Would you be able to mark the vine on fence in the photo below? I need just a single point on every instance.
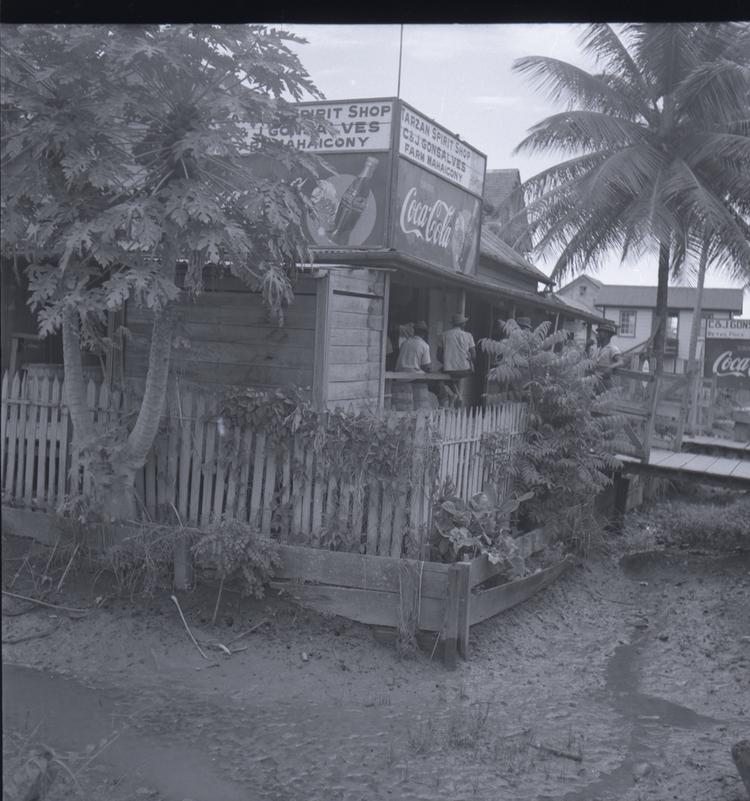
(355, 445)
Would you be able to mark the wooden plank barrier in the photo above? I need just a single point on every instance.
(201, 469)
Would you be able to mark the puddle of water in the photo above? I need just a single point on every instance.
(71, 716)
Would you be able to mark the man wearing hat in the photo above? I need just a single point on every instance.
(606, 356)
(414, 353)
(458, 354)
(524, 323)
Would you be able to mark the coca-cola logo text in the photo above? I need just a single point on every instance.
(432, 222)
(728, 364)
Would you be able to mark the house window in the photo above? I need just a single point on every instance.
(627, 323)
(582, 290)
(673, 330)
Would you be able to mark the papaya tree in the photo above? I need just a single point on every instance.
(127, 151)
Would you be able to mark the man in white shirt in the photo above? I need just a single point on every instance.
(414, 354)
(458, 353)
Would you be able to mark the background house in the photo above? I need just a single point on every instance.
(632, 309)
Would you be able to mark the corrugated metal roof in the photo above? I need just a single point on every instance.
(678, 297)
(496, 249)
(503, 199)
(499, 184)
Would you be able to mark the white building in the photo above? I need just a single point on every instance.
(632, 309)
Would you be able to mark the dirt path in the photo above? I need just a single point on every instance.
(639, 668)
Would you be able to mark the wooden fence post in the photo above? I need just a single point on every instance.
(464, 608)
(452, 604)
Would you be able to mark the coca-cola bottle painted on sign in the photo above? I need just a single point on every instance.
(353, 203)
(467, 248)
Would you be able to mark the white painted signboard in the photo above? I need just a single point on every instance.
(358, 126)
(727, 329)
(442, 153)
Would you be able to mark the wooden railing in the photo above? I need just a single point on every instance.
(658, 408)
(200, 468)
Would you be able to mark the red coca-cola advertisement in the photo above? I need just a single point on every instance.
(349, 200)
(729, 361)
(435, 221)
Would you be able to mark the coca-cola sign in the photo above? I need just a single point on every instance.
(431, 222)
(435, 221)
(729, 361)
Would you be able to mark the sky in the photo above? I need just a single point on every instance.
(461, 76)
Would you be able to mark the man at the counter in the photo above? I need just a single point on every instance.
(414, 353)
(458, 354)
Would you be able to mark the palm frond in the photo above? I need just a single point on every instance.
(575, 131)
(563, 81)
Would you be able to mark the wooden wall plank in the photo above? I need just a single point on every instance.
(364, 606)
(321, 342)
(449, 634)
(353, 354)
(357, 320)
(355, 336)
(491, 602)
(358, 305)
(359, 571)
(361, 281)
(352, 390)
(339, 373)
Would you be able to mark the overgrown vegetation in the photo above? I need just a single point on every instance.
(233, 550)
(567, 455)
(356, 445)
(479, 527)
(716, 520)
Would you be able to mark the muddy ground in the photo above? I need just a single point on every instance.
(628, 680)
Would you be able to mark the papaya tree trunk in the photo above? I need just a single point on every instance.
(74, 387)
(660, 313)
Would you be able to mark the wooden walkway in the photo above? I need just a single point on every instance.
(734, 471)
(717, 445)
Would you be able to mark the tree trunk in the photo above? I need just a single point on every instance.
(693, 366)
(75, 390)
(660, 313)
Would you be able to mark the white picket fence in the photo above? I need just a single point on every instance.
(199, 469)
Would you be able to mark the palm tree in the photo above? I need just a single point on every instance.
(657, 152)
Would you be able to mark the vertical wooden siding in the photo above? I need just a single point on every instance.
(355, 357)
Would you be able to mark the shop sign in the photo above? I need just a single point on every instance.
(728, 360)
(348, 200)
(435, 221)
(346, 127)
(442, 153)
(727, 329)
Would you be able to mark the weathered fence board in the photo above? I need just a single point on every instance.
(202, 468)
(488, 603)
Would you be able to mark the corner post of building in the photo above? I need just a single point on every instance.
(322, 341)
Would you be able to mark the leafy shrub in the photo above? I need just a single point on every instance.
(235, 550)
(567, 456)
(144, 561)
(477, 528)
